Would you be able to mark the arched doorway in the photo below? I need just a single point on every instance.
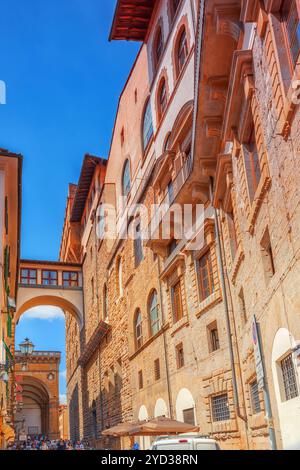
(35, 413)
(145, 441)
(185, 407)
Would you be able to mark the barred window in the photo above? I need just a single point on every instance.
(255, 400)
(157, 369)
(180, 356)
(206, 279)
(289, 378)
(291, 22)
(220, 408)
(141, 379)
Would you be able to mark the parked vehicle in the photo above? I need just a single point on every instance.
(188, 442)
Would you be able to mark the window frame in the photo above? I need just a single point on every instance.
(154, 323)
(289, 381)
(182, 50)
(218, 407)
(177, 314)
(285, 15)
(70, 282)
(209, 275)
(162, 97)
(28, 277)
(138, 329)
(147, 125)
(126, 185)
(49, 278)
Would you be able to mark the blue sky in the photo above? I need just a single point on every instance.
(63, 79)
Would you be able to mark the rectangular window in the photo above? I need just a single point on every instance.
(138, 246)
(232, 235)
(205, 275)
(49, 278)
(179, 356)
(252, 164)
(141, 380)
(177, 302)
(213, 337)
(289, 378)
(157, 369)
(291, 22)
(255, 400)
(242, 306)
(220, 408)
(70, 279)
(189, 416)
(29, 276)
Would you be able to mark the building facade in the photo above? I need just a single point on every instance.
(37, 400)
(209, 120)
(10, 203)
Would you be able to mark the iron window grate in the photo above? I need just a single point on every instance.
(289, 378)
(220, 408)
(255, 400)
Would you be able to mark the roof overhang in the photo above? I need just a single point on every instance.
(87, 173)
(131, 20)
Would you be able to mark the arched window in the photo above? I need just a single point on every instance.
(158, 46)
(182, 51)
(167, 142)
(138, 329)
(105, 303)
(126, 180)
(162, 97)
(147, 125)
(154, 314)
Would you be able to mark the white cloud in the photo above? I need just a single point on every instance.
(63, 399)
(46, 313)
(63, 374)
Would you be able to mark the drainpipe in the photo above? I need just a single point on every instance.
(169, 390)
(227, 315)
(98, 307)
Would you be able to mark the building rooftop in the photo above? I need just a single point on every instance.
(87, 173)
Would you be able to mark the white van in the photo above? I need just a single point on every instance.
(187, 442)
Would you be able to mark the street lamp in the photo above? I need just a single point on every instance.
(26, 347)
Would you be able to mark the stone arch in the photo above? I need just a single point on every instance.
(145, 441)
(288, 410)
(31, 301)
(184, 402)
(161, 408)
(36, 405)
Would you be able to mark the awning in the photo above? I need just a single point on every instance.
(154, 427)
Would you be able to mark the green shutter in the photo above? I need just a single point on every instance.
(9, 325)
(6, 268)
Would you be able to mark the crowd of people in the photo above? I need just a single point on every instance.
(44, 443)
